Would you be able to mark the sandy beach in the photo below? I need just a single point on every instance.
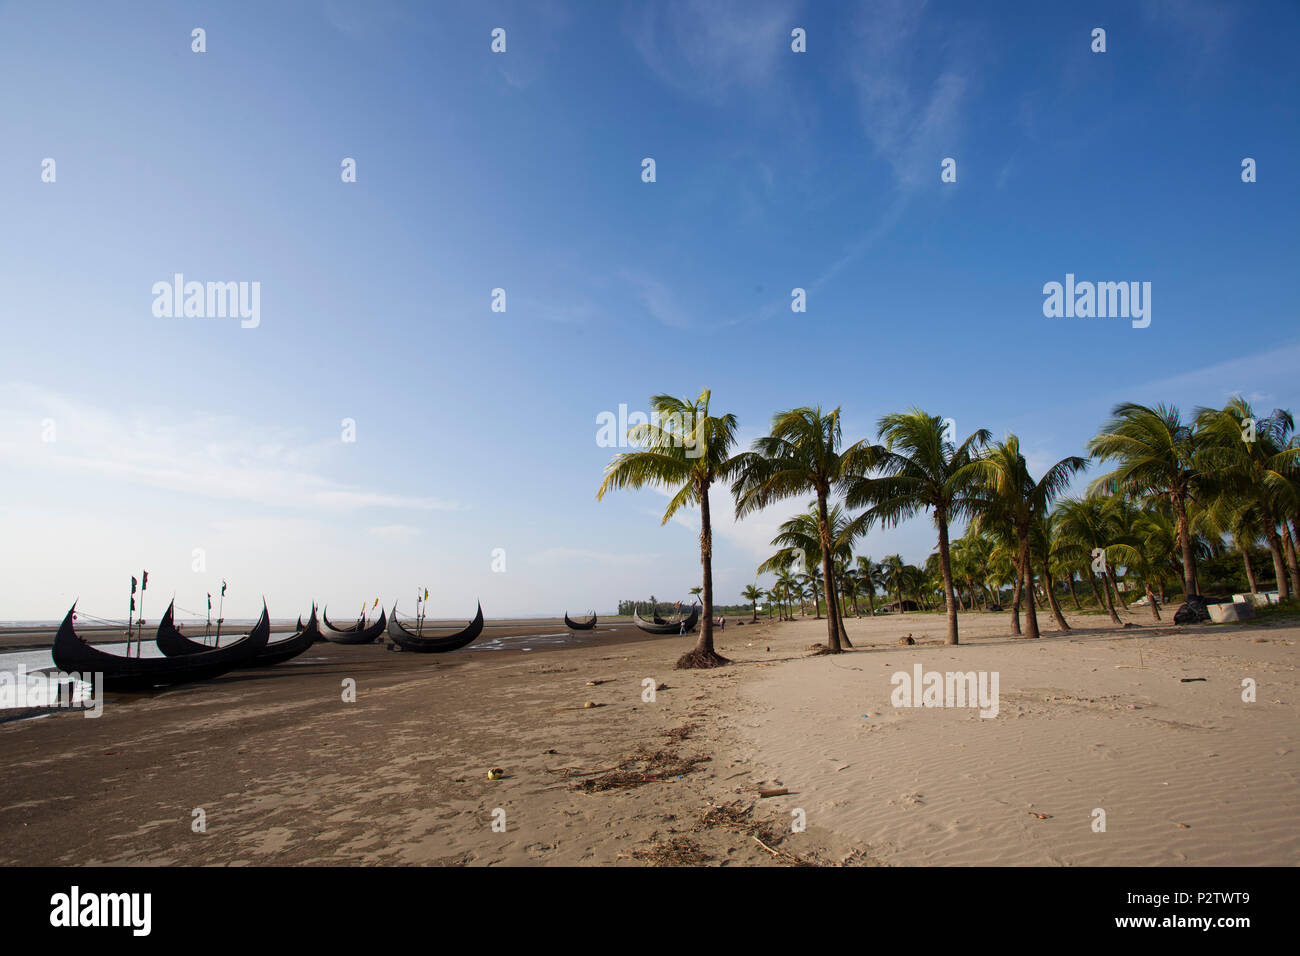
(286, 772)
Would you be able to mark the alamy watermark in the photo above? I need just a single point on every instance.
(951, 689)
(612, 429)
(52, 689)
(208, 300)
(1102, 300)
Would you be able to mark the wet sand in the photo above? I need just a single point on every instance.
(287, 772)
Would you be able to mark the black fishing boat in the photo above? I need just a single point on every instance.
(408, 640)
(175, 644)
(360, 624)
(580, 625)
(668, 627)
(72, 654)
(357, 634)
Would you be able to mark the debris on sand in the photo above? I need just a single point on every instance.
(739, 817)
(678, 734)
(642, 767)
(680, 850)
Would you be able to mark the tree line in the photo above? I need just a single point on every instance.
(1176, 488)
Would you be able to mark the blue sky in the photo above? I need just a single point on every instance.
(522, 170)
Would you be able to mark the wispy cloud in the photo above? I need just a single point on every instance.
(707, 48)
(204, 455)
(911, 109)
(658, 300)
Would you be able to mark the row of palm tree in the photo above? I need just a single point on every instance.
(1174, 485)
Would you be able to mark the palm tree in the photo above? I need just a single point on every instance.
(850, 586)
(1237, 516)
(1009, 496)
(1263, 470)
(916, 469)
(687, 449)
(697, 591)
(869, 577)
(801, 454)
(787, 587)
(1041, 543)
(751, 594)
(1159, 455)
(893, 577)
(799, 541)
(1082, 524)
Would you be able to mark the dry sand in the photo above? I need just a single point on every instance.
(286, 772)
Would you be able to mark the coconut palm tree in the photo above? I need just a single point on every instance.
(1081, 524)
(916, 469)
(801, 455)
(751, 594)
(1041, 545)
(1009, 496)
(788, 588)
(1240, 518)
(1260, 467)
(868, 577)
(688, 449)
(1159, 455)
(893, 577)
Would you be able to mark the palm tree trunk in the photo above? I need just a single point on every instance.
(844, 635)
(704, 655)
(828, 572)
(1031, 614)
(1275, 546)
(1050, 586)
(1250, 572)
(1295, 536)
(1179, 499)
(1015, 600)
(945, 567)
(871, 600)
(1105, 587)
(1291, 558)
(1151, 599)
(1114, 583)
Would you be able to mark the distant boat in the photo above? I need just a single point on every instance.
(409, 640)
(357, 633)
(175, 644)
(72, 654)
(668, 627)
(580, 625)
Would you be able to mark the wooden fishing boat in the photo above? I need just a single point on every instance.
(409, 640)
(580, 625)
(72, 654)
(353, 635)
(668, 627)
(359, 625)
(175, 644)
